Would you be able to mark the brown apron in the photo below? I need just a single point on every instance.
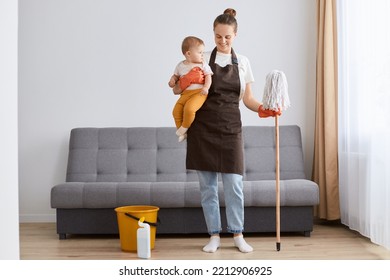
(214, 140)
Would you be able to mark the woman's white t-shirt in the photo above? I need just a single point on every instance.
(244, 67)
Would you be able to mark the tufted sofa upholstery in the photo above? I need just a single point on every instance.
(112, 167)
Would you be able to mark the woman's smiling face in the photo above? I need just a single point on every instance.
(224, 36)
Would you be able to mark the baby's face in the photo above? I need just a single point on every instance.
(195, 54)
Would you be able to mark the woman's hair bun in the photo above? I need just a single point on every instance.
(228, 17)
(230, 11)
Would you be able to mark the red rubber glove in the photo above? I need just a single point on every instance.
(195, 76)
(265, 113)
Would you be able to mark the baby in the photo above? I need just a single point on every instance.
(194, 95)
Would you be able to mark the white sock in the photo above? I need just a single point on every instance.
(213, 244)
(241, 244)
(182, 137)
(181, 131)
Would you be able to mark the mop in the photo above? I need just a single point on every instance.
(276, 98)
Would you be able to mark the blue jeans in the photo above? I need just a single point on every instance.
(234, 201)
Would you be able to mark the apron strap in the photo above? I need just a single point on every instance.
(234, 58)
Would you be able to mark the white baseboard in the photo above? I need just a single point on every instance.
(37, 218)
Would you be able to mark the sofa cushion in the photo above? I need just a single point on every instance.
(297, 192)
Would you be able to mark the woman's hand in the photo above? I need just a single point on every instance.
(254, 105)
(265, 113)
(195, 76)
(204, 91)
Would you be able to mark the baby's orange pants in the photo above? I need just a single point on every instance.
(185, 108)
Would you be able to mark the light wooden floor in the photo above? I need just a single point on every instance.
(328, 241)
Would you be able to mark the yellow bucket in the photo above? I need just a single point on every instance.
(128, 217)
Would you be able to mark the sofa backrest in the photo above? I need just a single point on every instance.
(153, 154)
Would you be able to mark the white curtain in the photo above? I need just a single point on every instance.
(364, 117)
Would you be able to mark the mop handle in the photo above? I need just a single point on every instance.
(277, 184)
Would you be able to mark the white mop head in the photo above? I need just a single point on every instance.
(276, 91)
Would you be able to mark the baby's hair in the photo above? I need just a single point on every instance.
(190, 41)
(228, 17)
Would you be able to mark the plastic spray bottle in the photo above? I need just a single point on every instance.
(143, 239)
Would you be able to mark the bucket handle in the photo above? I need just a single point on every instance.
(146, 222)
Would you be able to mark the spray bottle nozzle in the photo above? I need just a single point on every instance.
(142, 224)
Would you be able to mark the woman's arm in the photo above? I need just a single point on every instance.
(249, 100)
(207, 84)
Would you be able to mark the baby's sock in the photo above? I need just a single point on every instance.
(182, 137)
(181, 131)
(241, 244)
(213, 245)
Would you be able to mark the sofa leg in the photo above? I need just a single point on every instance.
(307, 233)
(62, 236)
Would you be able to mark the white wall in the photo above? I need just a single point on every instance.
(9, 233)
(107, 63)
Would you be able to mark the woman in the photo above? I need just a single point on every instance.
(214, 139)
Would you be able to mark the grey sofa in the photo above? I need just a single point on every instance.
(112, 167)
